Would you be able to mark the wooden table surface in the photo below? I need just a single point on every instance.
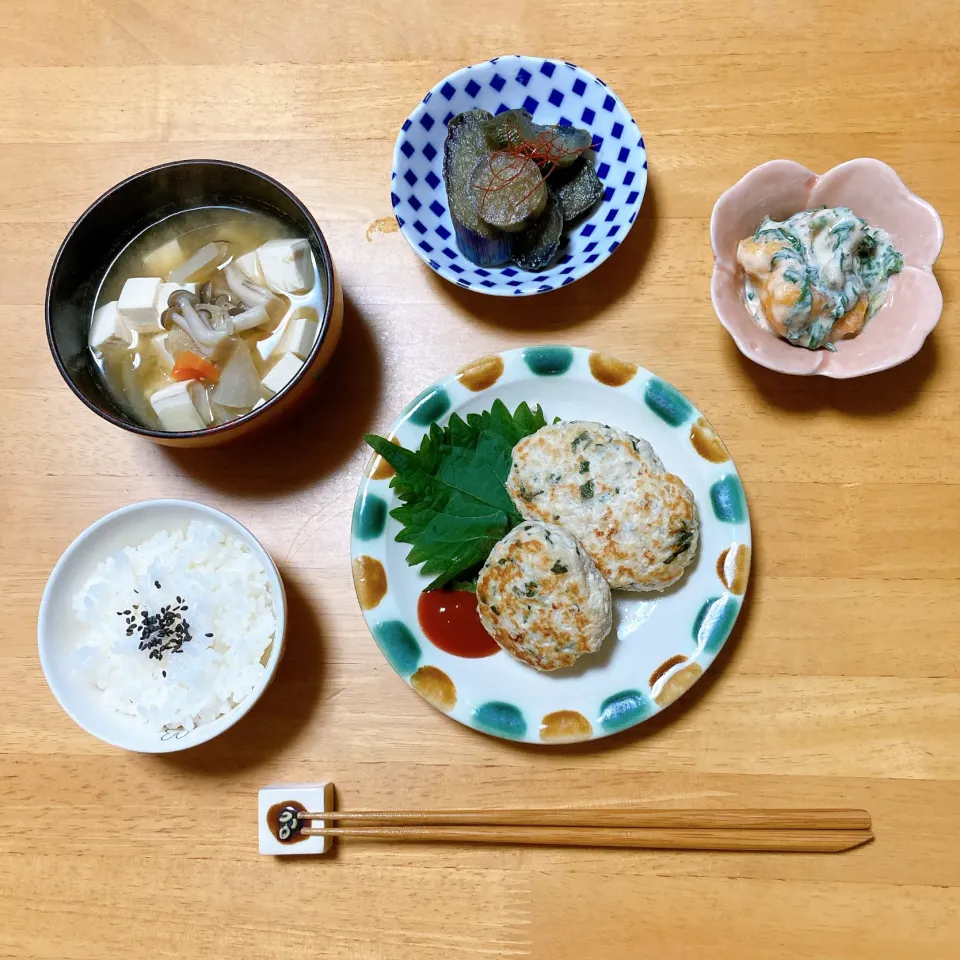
(841, 682)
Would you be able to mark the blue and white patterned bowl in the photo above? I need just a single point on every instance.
(553, 91)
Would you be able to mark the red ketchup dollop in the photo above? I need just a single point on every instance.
(450, 621)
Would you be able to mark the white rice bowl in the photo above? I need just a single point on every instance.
(227, 593)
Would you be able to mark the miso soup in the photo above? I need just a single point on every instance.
(205, 316)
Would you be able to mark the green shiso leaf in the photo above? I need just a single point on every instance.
(455, 505)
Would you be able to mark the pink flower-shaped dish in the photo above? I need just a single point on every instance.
(873, 191)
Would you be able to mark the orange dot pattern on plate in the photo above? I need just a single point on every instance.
(733, 568)
(611, 371)
(378, 468)
(370, 580)
(665, 668)
(679, 683)
(706, 442)
(480, 374)
(435, 687)
(565, 726)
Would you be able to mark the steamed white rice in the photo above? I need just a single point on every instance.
(227, 594)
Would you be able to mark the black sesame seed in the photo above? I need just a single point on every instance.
(163, 632)
(164, 672)
(156, 583)
(208, 634)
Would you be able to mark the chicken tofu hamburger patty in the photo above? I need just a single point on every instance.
(611, 492)
(542, 598)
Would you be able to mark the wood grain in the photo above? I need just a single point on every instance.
(841, 684)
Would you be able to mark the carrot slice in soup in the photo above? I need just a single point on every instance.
(191, 366)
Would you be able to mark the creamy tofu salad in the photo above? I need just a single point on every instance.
(817, 276)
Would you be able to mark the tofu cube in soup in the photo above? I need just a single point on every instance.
(165, 258)
(300, 336)
(282, 372)
(287, 266)
(182, 406)
(139, 304)
(108, 328)
(249, 266)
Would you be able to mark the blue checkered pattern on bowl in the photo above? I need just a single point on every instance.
(553, 91)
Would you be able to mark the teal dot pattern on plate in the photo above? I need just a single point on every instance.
(728, 501)
(623, 710)
(714, 623)
(667, 402)
(429, 407)
(502, 719)
(369, 517)
(548, 361)
(399, 646)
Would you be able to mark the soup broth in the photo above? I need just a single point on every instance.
(205, 316)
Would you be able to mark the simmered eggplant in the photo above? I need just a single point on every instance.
(509, 191)
(512, 184)
(509, 129)
(578, 190)
(538, 245)
(549, 145)
(465, 146)
(565, 145)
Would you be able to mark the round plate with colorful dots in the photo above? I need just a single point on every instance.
(661, 643)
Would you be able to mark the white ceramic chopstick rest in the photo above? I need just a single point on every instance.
(279, 823)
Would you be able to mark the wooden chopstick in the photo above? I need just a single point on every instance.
(784, 819)
(689, 838)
